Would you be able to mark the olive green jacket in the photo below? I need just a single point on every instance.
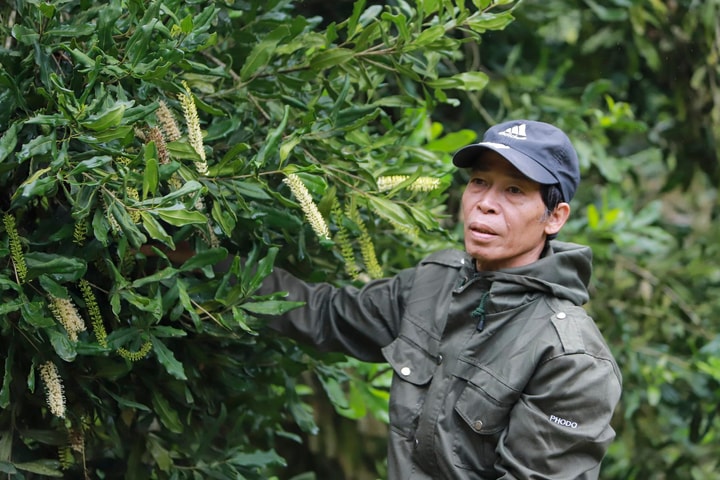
(497, 374)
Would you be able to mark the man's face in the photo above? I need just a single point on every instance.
(504, 215)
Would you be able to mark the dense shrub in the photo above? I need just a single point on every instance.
(134, 131)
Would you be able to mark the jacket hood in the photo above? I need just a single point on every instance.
(563, 271)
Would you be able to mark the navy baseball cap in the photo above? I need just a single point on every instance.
(542, 152)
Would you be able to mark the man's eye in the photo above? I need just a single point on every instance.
(514, 190)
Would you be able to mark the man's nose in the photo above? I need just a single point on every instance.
(487, 201)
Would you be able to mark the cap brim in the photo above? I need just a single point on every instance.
(467, 156)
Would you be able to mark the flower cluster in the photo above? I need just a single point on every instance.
(133, 193)
(138, 355)
(309, 208)
(80, 232)
(167, 122)
(420, 184)
(114, 225)
(53, 389)
(193, 125)
(342, 238)
(155, 135)
(75, 444)
(65, 312)
(94, 311)
(16, 252)
(367, 248)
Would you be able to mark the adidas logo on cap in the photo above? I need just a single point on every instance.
(517, 132)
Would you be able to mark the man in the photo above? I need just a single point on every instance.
(498, 370)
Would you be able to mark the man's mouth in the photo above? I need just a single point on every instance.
(481, 229)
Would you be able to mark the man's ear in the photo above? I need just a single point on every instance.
(556, 220)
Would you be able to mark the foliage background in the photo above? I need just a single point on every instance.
(187, 383)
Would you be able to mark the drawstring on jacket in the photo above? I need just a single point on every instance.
(479, 311)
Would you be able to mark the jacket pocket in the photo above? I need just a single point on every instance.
(482, 412)
(414, 368)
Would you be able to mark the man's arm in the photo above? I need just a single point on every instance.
(354, 321)
(560, 427)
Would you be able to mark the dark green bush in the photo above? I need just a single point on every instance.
(134, 131)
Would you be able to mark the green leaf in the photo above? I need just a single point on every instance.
(205, 258)
(182, 151)
(34, 314)
(262, 52)
(330, 58)
(472, 81)
(240, 318)
(316, 184)
(168, 416)
(186, 302)
(264, 267)
(156, 230)
(100, 226)
(334, 391)
(273, 139)
(452, 142)
(53, 287)
(127, 224)
(8, 141)
(423, 217)
(190, 187)
(428, 36)
(490, 21)
(352, 22)
(401, 23)
(106, 120)
(149, 304)
(300, 412)
(91, 164)
(58, 267)
(593, 217)
(24, 34)
(270, 307)
(151, 175)
(159, 276)
(125, 403)
(167, 359)
(11, 306)
(288, 145)
(33, 186)
(357, 406)
(186, 24)
(50, 468)
(122, 132)
(138, 44)
(81, 58)
(179, 216)
(6, 467)
(356, 116)
(258, 459)
(251, 190)
(390, 211)
(6, 441)
(71, 30)
(159, 453)
(62, 345)
(7, 380)
(163, 331)
(225, 219)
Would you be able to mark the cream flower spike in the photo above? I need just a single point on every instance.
(310, 209)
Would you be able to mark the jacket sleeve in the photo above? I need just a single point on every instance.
(560, 426)
(357, 322)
